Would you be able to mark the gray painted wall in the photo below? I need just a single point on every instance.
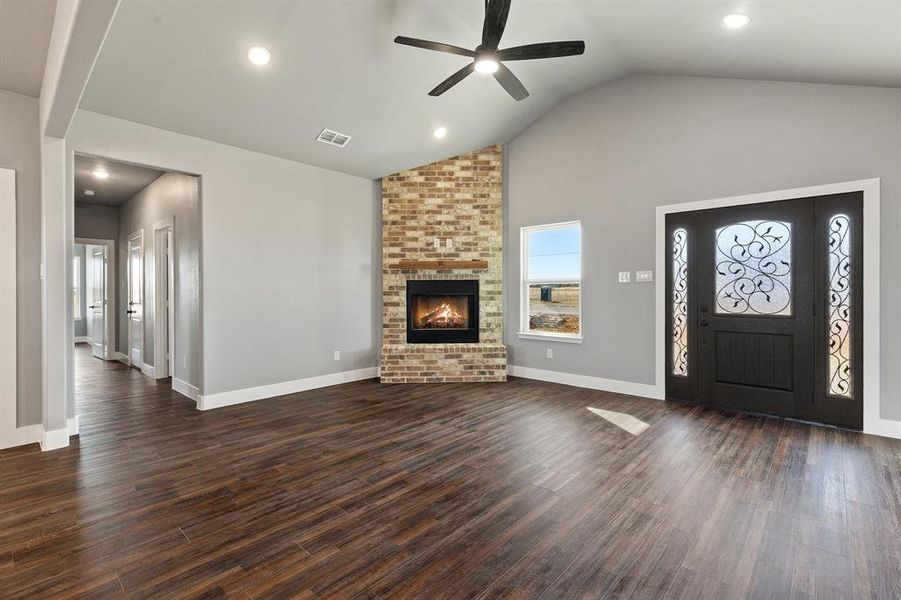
(97, 221)
(287, 255)
(20, 150)
(173, 194)
(610, 155)
(81, 325)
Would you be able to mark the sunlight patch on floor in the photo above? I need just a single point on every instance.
(625, 422)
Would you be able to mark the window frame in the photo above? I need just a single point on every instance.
(524, 332)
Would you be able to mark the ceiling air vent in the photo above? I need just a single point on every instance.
(327, 136)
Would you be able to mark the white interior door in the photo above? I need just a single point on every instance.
(97, 301)
(135, 310)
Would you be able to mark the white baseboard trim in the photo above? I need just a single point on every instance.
(884, 428)
(20, 436)
(185, 389)
(210, 401)
(148, 370)
(83, 339)
(55, 439)
(72, 425)
(122, 358)
(586, 381)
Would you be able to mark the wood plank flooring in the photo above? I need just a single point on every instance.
(499, 490)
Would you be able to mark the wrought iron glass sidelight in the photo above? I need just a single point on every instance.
(680, 302)
(839, 306)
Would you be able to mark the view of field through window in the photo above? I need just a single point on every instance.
(554, 308)
(554, 273)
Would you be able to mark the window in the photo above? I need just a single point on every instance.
(753, 268)
(76, 288)
(552, 281)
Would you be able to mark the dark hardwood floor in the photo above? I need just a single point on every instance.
(443, 491)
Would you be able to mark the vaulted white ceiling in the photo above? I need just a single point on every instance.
(182, 66)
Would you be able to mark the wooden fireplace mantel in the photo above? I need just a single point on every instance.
(410, 264)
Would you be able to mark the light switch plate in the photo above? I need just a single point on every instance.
(549, 353)
(625, 276)
(644, 276)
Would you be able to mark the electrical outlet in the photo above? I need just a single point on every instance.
(625, 276)
(644, 276)
(549, 353)
(437, 242)
(337, 355)
(450, 243)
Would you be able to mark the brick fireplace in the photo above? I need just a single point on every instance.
(442, 242)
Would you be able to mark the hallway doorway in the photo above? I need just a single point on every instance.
(139, 229)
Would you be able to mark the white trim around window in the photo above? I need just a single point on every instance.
(525, 282)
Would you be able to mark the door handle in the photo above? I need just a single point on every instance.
(704, 322)
(128, 312)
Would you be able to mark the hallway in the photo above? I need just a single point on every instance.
(110, 396)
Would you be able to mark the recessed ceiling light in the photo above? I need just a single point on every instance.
(736, 20)
(89, 192)
(486, 66)
(100, 173)
(440, 132)
(259, 56)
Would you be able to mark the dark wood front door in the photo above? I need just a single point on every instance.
(765, 307)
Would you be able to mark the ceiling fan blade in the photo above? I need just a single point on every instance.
(511, 83)
(544, 50)
(452, 80)
(495, 21)
(437, 46)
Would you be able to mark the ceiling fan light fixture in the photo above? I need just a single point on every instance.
(486, 65)
(489, 58)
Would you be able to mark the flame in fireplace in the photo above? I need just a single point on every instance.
(441, 317)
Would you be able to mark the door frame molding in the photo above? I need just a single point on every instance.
(872, 422)
(109, 325)
(136, 235)
(159, 307)
(8, 364)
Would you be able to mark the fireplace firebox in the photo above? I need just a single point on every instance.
(442, 311)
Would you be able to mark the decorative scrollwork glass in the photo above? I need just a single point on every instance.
(753, 268)
(839, 333)
(680, 302)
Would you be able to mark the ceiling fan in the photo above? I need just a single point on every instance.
(488, 59)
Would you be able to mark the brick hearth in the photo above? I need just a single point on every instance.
(458, 199)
